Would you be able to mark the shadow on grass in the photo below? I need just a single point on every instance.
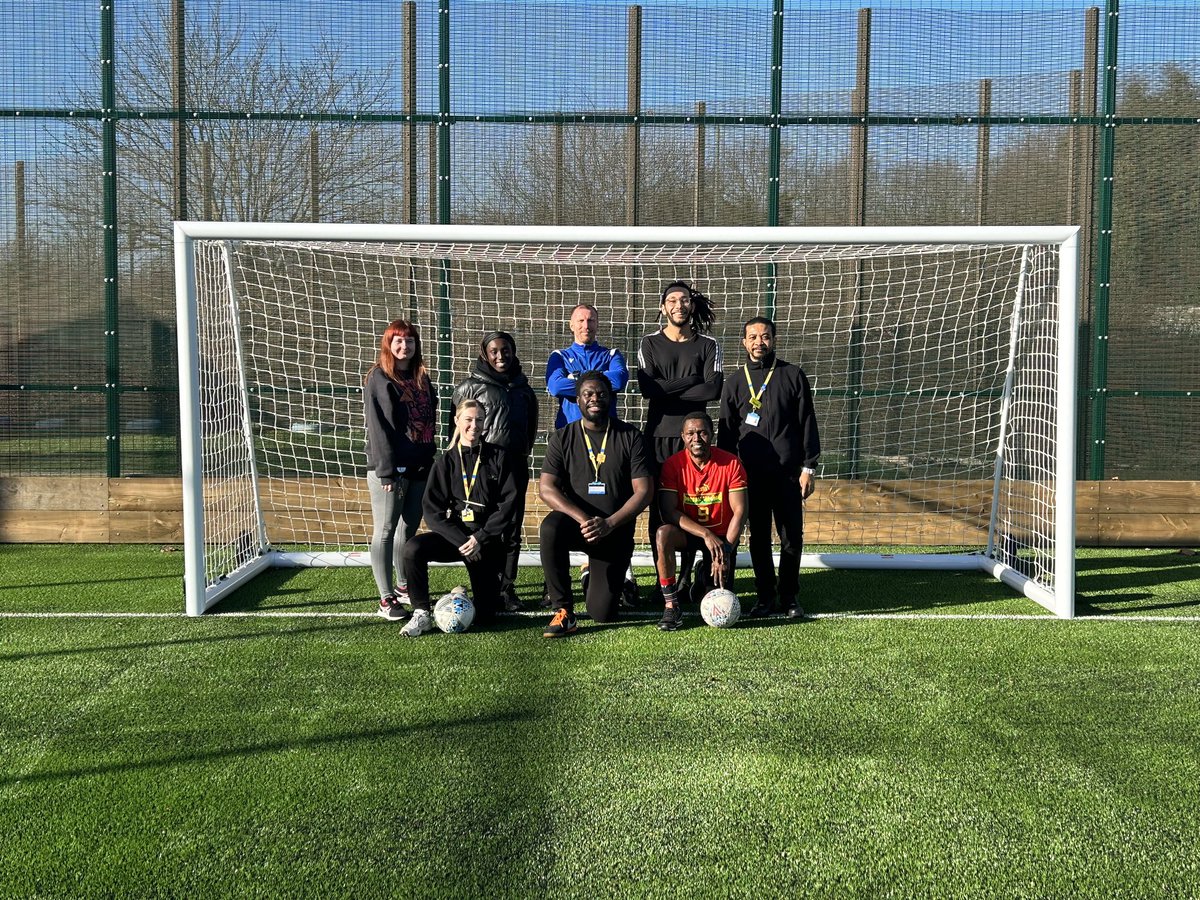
(74, 585)
(185, 641)
(1155, 582)
(875, 591)
(278, 746)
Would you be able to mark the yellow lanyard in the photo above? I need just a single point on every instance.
(756, 399)
(468, 486)
(597, 459)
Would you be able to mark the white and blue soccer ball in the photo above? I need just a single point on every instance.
(454, 612)
(720, 608)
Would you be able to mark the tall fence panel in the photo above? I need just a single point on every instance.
(116, 119)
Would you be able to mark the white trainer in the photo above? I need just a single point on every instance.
(420, 623)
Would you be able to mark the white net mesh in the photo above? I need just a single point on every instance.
(909, 349)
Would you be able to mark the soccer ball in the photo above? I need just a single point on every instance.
(455, 612)
(720, 608)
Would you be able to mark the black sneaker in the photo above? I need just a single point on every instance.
(546, 602)
(391, 609)
(701, 587)
(561, 625)
(512, 603)
(629, 594)
(672, 618)
(794, 610)
(762, 609)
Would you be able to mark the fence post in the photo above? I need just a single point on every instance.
(1104, 243)
(314, 175)
(444, 348)
(408, 132)
(633, 105)
(858, 215)
(774, 144)
(698, 200)
(1086, 218)
(179, 101)
(206, 181)
(112, 356)
(556, 149)
(983, 150)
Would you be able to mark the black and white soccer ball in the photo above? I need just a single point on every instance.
(720, 608)
(454, 612)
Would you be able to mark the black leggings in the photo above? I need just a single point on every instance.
(422, 549)
(608, 560)
(511, 536)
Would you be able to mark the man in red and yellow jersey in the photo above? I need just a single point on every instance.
(702, 498)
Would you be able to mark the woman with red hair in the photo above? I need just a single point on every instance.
(400, 407)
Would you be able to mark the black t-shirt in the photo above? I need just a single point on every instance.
(624, 460)
(677, 378)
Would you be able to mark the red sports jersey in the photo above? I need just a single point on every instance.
(704, 493)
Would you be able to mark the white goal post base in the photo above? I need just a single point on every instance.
(942, 360)
(944, 562)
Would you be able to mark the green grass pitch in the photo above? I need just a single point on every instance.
(844, 756)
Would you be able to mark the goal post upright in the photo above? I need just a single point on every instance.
(443, 261)
(191, 463)
(1068, 366)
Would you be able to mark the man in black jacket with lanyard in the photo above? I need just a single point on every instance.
(596, 481)
(767, 418)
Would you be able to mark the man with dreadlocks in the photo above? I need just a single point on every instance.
(679, 372)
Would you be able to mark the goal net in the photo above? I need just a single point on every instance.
(942, 360)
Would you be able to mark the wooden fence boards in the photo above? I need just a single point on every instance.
(88, 509)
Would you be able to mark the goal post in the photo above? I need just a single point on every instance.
(943, 360)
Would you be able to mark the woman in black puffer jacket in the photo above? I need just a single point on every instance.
(510, 421)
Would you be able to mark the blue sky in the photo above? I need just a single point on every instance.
(555, 55)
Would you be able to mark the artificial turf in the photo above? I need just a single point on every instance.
(843, 756)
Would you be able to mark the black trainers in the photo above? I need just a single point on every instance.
(762, 609)
(391, 609)
(794, 610)
(629, 594)
(512, 603)
(546, 602)
(672, 618)
(700, 587)
(562, 624)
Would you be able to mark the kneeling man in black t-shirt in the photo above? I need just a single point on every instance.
(596, 481)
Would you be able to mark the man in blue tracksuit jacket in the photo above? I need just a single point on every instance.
(585, 355)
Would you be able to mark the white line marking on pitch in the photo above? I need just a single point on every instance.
(268, 614)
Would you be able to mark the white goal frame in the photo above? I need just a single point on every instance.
(200, 596)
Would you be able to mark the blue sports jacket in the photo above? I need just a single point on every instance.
(575, 360)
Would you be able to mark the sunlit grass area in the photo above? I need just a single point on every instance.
(839, 756)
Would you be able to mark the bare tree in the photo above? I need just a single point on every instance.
(243, 168)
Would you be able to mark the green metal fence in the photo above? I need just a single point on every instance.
(116, 119)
